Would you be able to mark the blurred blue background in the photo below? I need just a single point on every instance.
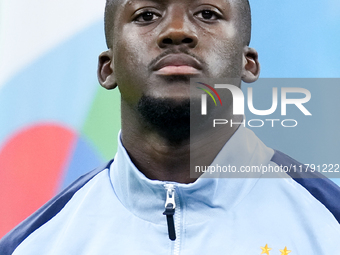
(300, 39)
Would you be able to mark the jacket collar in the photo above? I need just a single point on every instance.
(145, 198)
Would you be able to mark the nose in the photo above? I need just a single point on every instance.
(178, 30)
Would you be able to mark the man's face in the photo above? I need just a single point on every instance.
(159, 45)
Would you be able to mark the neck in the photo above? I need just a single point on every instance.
(158, 158)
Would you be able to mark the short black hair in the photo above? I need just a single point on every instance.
(244, 17)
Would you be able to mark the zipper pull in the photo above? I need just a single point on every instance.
(170, 206)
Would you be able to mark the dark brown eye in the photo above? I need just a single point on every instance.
(146, 17)
(207, 15)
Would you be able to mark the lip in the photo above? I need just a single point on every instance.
(177, 64)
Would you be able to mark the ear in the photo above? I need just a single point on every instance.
(105, 73)
(251, 65)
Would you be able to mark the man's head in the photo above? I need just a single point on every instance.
(156, 46)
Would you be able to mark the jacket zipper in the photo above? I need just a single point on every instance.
(170, 206)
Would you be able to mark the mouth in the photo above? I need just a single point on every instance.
(177, 64)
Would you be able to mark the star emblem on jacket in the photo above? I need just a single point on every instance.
(285, 251)
(266, 250)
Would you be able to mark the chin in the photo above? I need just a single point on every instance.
(169, 117)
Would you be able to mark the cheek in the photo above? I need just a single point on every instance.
(134, 54)
(135, 46)
(224, 58)
(131, 68)
(124, 63)
(223, 51)
(126, 58)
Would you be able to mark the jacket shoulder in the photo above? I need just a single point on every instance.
(13, 239)
(320, 187)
